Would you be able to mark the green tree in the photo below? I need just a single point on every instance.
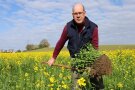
(44, 43)
(30, 47)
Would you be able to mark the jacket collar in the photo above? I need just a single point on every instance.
(86, 23)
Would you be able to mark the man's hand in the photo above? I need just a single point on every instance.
(51, 61)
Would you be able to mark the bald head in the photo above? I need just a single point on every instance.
(78, 6)
(78, 13)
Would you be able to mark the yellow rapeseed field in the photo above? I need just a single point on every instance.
(24, 71)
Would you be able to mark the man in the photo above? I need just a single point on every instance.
(78, 32)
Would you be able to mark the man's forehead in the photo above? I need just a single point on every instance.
(78, 7)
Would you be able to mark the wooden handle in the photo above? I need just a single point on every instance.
(59, 65)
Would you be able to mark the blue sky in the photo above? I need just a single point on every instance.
(25, 22)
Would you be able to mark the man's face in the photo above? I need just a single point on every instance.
(79, 14)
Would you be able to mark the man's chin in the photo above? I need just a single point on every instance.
(79, 22)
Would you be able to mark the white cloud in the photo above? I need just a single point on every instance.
(38, 19)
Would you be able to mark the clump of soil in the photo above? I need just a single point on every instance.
(101, 66)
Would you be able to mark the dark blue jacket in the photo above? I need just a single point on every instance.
(78, 40)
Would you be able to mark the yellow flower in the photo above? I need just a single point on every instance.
(60, 75)
(63, 69)
(65, 86)
(50, 85)
(120, 85)
(58, 88)
(46, 73)
(38, 85)
(26, 74)
(52, 79)
(81, 82)
(35, 68)
(18, 62)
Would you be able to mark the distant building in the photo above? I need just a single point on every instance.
(1, 50)
(7, 51)
(10, 50)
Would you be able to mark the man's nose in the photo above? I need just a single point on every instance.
(78, 15)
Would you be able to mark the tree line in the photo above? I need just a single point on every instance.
(43, 44)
